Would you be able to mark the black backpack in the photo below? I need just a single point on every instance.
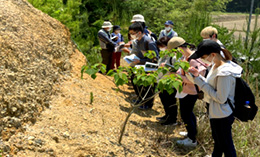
(243, 96)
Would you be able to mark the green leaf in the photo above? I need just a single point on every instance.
(119, 82)
(111, 73)
(103, 68)
(178, 55)
(92, 73)
(93, 76)
(184, 65)
(83, 69)
(177, 85)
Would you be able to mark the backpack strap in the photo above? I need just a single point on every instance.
(197, 88)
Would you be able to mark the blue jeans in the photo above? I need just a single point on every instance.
(186, 107)
(222, 135)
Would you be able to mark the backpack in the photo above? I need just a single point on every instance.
(243, 95)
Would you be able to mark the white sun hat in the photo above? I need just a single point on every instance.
(107, 24)
(138, 18)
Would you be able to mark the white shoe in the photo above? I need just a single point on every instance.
(208, 156)
(183, 133)
(187, 142)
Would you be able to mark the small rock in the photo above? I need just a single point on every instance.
(38, 142)
(6, 148)
(31, 138)
(56, 139)
(91, 110)
(30, 142)
(41, 150)
(66, 134)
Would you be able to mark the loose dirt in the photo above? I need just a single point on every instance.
(45, 105)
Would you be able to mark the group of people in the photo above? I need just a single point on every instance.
(211, 71)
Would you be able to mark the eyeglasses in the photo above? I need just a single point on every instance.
(133, 33)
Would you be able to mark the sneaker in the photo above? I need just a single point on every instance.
(143, 107)
(187, 142)
(183, 133)
(208, 156)
(161, 118)
(169, 123)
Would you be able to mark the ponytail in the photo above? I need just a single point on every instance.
(227, 54)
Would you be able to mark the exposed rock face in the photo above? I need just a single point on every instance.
(34, 53)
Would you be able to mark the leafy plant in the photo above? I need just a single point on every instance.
(162, 79)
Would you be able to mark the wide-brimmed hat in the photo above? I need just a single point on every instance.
(169, 22)
(175, 42)
(138, 18)
(207, 32)
(206, 47)
(107, 24)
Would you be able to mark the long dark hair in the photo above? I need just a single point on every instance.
(227, 54)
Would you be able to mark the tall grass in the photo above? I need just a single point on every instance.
(246, 137)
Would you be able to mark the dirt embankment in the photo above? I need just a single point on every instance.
(45, 105)
(34, 55)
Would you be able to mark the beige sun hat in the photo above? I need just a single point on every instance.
(207, 32)
(138, 18)
(107, 24)
(175, 42)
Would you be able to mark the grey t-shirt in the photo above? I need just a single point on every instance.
(140, 47)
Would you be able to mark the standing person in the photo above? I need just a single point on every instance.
(142, 44)
(189, 94)
(218, 87)
(211, 33)
(168, 30)
(168, 100)
(120, 40)
(107, 44)
(140, 18)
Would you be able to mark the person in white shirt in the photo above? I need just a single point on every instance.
(218, 86)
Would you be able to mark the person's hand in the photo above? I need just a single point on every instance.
(136, 61)
(162, 65)
(150, 32)
(194, 71)
(128, 44)
(126, 50)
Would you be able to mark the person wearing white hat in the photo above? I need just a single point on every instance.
(107, 44)
(140, 18)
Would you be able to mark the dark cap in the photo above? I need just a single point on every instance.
(206, 47)
(116, 27)
(169, 22)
